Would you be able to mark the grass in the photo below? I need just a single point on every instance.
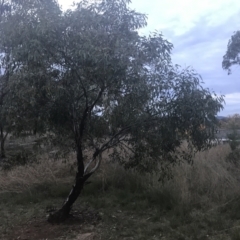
(201, 202)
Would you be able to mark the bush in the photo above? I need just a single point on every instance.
(234, 156)
(235, 139)
(19, 158)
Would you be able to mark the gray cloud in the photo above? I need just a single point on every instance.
(199, 31)
(203, 47)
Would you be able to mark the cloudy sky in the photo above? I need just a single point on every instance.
(200, 31)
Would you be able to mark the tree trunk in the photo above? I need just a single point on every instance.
(35, 128)
(62, 214)
(3, 155)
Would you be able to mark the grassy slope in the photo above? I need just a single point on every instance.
(201, 202)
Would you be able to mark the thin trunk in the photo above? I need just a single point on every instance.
(35, 127)
(63, 213)
(3, 138)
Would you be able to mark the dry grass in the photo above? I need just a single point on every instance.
(22, 178)
(200, 202)
(209, 180)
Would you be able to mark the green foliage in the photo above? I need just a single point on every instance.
(234, 139)
(87, 76)
(232, 55)
(235, 235)
(20, 158)
(234, 156)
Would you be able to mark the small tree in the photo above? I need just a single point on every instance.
(234, 139)
(234, 136)
(5, 71)
(233, 123)
(4, 121)
(107, 87)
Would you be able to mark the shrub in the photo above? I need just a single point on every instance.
(235, 139)
(234, 156)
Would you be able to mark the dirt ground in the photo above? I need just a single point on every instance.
(79, 226)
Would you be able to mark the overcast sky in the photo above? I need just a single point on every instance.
(200, 31)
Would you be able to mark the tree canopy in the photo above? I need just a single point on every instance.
(94, 83)
(232, 56)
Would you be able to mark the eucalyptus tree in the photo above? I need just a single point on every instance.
(232, 56)
(23, 60)
(5, 71)
(106, 87)
(4, 124)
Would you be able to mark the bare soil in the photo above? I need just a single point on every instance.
(79, 226)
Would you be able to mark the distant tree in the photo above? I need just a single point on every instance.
(231, 122)
(6, 70)
(234, 121)
(232, 56)
(106, 87)
(4, 121)
(234, 136)
(26, 99)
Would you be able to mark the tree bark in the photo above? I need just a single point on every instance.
(63, 213)
(3, 138)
